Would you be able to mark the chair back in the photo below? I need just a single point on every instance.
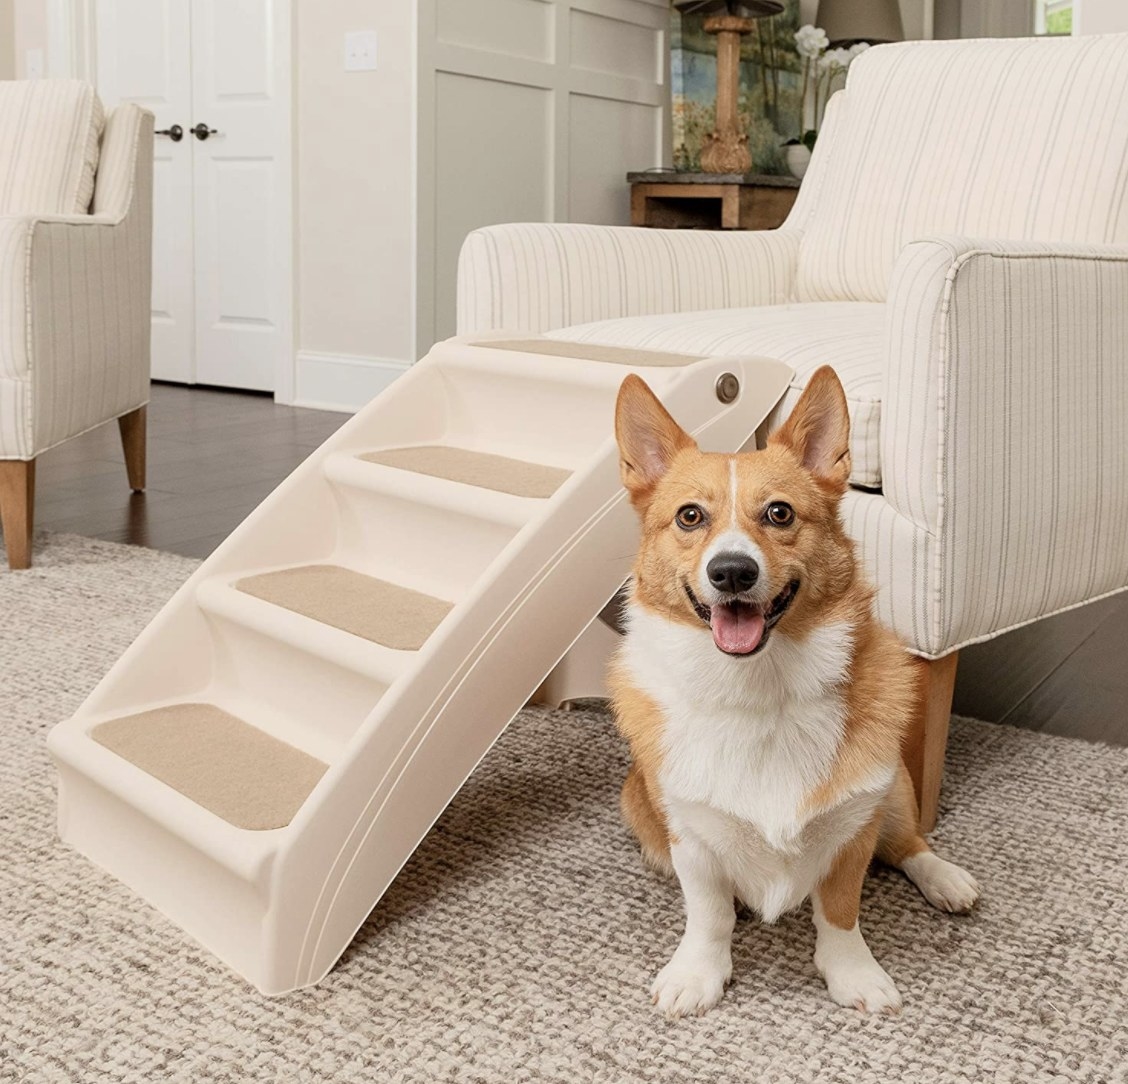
(1023, 139)
(50, 131)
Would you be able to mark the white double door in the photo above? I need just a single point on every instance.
(216, 75)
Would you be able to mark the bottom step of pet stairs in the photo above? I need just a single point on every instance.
(268, 754)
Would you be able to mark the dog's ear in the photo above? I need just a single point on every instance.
(648, 437)
(818, 431)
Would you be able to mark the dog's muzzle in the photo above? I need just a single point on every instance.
(741, 628)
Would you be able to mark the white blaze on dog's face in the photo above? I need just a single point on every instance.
(739, 544)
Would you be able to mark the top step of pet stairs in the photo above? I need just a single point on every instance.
(266, 756)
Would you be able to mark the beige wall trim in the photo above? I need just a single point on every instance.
(530, 112)
(7, 40)
(342, 381)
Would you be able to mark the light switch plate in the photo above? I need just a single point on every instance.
(360, 51)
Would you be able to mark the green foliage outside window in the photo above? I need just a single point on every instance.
(1059, 22)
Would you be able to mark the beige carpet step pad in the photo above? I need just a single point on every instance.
(517, 477)
(373, 609)
(229, 767)
(609, 355)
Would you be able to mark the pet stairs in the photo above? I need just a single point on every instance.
(266, 756)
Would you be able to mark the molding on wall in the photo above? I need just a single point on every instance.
(342, 382)
(71, 52)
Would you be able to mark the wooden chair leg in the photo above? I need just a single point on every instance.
(928, 737)
(132, 426)
(17, 509)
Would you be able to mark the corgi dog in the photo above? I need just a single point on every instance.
(763, 702)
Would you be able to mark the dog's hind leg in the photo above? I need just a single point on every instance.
(900, 844)
(647, 821)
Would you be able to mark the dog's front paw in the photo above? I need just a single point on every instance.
(864, 986)
(691, 984)
(943, 884)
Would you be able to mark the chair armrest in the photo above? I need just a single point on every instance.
(75, 319)
(1003, 425)
(537, 277)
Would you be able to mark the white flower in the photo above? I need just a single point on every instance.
(835, 60)
(858, 48)
(810, 41)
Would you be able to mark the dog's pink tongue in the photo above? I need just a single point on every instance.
(737, 629)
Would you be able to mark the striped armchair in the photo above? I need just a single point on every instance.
(75, 274)
(959, 253)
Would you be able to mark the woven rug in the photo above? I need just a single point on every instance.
(518, 943)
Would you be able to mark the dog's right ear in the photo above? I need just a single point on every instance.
(648, 437)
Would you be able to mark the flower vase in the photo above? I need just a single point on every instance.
(798, 157)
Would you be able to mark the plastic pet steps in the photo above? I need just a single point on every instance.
(269, 752)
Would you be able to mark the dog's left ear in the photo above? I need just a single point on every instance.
(818, 431)
(648, 437)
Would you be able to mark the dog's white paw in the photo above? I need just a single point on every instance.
(943, 884)
(691, 983)
(864, 986)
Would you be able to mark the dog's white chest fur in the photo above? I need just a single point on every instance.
(746, 742)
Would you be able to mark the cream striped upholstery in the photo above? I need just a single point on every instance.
(117, 169)
(849, 336)
(994, 138)
(965, 217)
(535, 277)
(1005, 442)
(49, 133)
(75, 301)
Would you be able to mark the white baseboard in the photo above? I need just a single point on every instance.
(343, 382)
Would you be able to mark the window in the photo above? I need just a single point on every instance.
(1053, 16)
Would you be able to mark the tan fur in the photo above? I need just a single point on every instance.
(639, 720)
(811, 475)
(647, 821)
(833, 709)
(840, 891)
(900, 836)
(882, 687)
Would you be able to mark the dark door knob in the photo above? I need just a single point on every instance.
(202, 131)
(175, 133)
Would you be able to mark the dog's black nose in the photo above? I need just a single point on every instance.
(732, 572)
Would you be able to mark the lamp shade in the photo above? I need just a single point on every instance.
(850, 21)
(746, 9)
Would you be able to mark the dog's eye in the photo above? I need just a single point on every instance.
(690, 516)
(780, 514)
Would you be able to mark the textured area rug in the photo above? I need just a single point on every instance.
(518, 943)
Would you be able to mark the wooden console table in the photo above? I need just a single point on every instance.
(711, 201)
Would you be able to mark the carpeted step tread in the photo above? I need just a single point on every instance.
(384, 613)
(517, 477)
(220, 762)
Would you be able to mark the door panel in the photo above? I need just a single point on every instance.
(142, 49)
(221, 210)
(241, 183)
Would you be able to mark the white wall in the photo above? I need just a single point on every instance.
(526, 111)
(354, 199)
(30, 31)
(1100, 16)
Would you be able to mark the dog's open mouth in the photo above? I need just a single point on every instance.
(742, 628)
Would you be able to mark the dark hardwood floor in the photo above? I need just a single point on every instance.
(214, 455)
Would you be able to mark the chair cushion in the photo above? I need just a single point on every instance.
(49, 133)
(846, 335)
